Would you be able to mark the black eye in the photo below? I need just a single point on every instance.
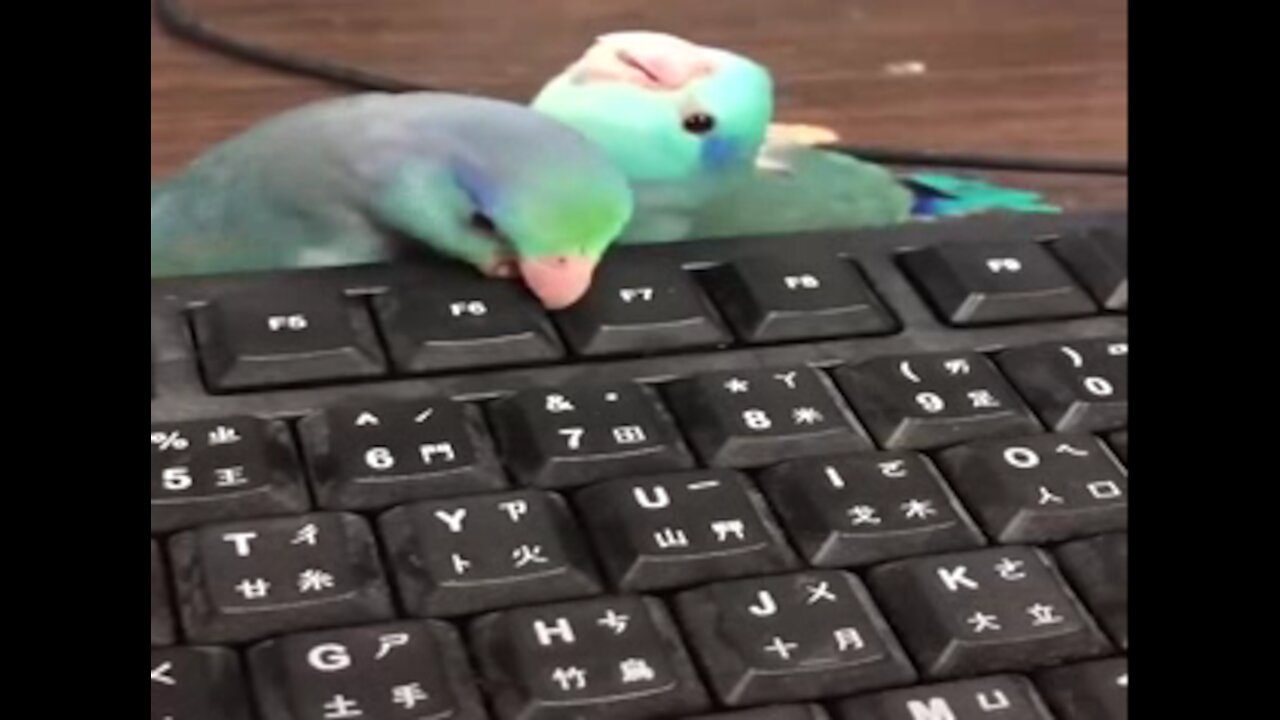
(484, 223)
(700, 124)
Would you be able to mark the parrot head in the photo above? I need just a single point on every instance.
(665, 109)
(554, 219)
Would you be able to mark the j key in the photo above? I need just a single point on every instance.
(476, 555)
(609, 659)
(1079, 387)
(1099, 569)
(1043, 489)
(992, 611)
(973, 284)
(932, 401)
(664, 533)
(198, 684)
(1096, 691)
(236, 469)
(640, 308)
(162, 627)
(393, 672)
(797, 712)
(574, 437)
(781, 299)
(867, 509)
(456, 320)
(375, 455)
(756, 418)
(274, 339)
(244, 582)
(1005, 698)
(792, 639)
(1101, 261)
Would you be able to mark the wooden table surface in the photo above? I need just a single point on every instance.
(1001, 76)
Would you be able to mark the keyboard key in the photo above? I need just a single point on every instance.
(1120, 443)
(792, 639)
(198, 684)
(771, 299)
(1099, 569)
(456, 320)
(406, 671)
(608, 659)
(863, 510)
(162, 623)
(1078, 387)
(1095, 691)
(235, 469)
(669, 532)
(641, 308)
(269, 339)
(246, 582)
(751, 419)
(986, 283)
(1043, 489)
(992, 611)
(1100, 260)
(928, 402)
(457, 558)
(1002, 698)
(567, 438)
(373, 455)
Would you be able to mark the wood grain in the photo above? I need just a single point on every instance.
(1003, 76)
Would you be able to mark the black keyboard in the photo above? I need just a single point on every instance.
(870, 476)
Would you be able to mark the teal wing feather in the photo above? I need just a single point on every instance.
(805, 190)
(947, 196)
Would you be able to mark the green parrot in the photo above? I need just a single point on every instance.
(369, 178)
(691, 127)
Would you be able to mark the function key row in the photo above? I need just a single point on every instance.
(372, 456)
(447, 320)
(792, 638)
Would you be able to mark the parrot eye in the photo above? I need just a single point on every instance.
(484, 223)
(700, 124)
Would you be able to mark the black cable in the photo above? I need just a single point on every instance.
(181, 23)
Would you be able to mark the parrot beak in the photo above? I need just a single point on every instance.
(560, 283)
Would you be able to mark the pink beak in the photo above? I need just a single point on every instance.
(560, 283)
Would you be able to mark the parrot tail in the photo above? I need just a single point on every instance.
(944, 196)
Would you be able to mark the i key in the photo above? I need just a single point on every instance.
(927, 402)
(867, 509)
(406, 671)
(1044, 489)
(992, 611)
(755, 418)
(1078, 387)
(792, 639)
(568, 438)
(608, 659)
